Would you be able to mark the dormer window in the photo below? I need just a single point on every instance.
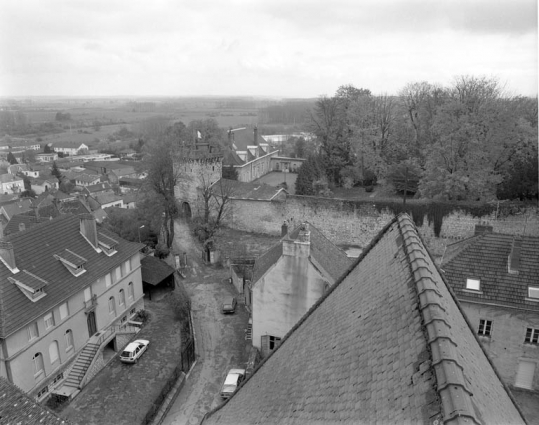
(473, 284)
(107, 245)
(533, 292)
(73, 262)
(31, 286)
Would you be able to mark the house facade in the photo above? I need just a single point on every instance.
(47, 157)
(11, 184)
(40, 186)
(496, 279)
(63, 281)
(288, 279)
(70, 148)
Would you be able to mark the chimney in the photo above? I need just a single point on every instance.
(256, 135)
(230, 136)
(88, 228)
(481, 229)
(304, 233)
(7, 254)
(284, 229)
(513, 262)
(301, 247)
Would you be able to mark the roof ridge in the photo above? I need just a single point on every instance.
(451, 383)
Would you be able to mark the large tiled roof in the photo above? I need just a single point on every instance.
(34, 251)
(387, 344)
(7, 178)
(231, 158)
(16, 407)
(244, 137)
(329, 256)
(155, 270)
(19, 207)
(253, 191)
(485, 258)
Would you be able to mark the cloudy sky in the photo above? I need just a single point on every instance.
(283, 48)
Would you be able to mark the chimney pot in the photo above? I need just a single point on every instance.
(284, 229)
(8, 254)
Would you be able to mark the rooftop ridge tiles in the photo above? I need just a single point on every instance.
(450, 380)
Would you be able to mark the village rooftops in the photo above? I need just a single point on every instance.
(387, 343)
(502, 267)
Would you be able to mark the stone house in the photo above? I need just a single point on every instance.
(67, 288)
(70, 148)
(387, 344)
(40, 185)
(288, 279)
(11, 184)
(496, 279)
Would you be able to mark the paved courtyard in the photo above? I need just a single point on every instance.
(124, 393)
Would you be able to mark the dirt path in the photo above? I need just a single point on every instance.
(220, 339)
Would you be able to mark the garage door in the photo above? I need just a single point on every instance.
(525, 375)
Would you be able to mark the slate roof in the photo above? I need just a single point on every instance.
(19, 207)
(14, 225)
(16, 407)
(485, 258)
(34, 251)
(252, 190)
(8, 178)
(332, 259)
(244, 137)
(154, 270)
(232, 158)
(387, 343)
(99, 187)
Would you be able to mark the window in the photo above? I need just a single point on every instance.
(122, 297)
(533, 292)
(32, 331)
(43, 391)
(274, 342)
(58, 377)
(117, 274)
(49, 321)
(127, 267)
(130, 291)
(63, 311)
(53, 352)
(112, 307)
(108, 280)
(473, 284)
(38, 363)
(68, 336)
(485, 327)
(87, 294)
(532, 336)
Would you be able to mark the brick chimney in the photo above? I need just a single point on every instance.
(301, 247)
(8, 255)
(284, 229)
(513, 262)
(255, 132)
(88, 228)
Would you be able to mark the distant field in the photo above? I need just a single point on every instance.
(88, 139)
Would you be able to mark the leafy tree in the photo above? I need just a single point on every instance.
(55, 171)
(28, 193)
(405, 178)
(11, 158)
(27, 183)
(299, 147)
(520, 180)
(47, 148)
(309, 172)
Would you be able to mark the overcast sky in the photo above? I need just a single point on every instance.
(284, 48)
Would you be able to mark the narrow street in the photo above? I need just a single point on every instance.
(220, 339)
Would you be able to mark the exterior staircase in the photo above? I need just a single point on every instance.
(81, 366)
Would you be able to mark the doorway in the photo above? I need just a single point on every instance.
(92, 328)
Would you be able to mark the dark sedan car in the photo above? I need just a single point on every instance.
(229, 305)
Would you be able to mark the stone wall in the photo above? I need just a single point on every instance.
(356, 223)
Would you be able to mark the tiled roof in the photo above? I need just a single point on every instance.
(7, 178)
(244, 137)
(106, 198)
(154, 270)
(16, 407)
(19, 207)
(99, 187)
(254, 191)
(485, 258)
(386, 344)
(27, 221)
(34, 251)
(329, 256)
(232, 158)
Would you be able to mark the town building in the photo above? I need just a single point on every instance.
(70, 148)
(11, 184)
(67, 287)
(47, 157)
(387, 343)
(288, 279)
(496, 279)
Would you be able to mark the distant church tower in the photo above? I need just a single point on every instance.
(201, 165)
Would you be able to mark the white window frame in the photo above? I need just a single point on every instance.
(534, 336)
(273, 342)
(54, 352)
(49, 320)
(68, 337)
(130, 291)
(87, 294)
(485, 327)
(121, 296)
(473, 284)
(38, 364)
(33, 331)
(108, 279)
(112, 306)
(64, 311)
(127, 266)
(118, 272)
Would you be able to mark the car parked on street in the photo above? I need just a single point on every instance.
(232, 381)
(229, 305)
(134, 350)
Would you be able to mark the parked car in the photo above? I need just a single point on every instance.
(229, 305)
(134, 350)
(232, 381)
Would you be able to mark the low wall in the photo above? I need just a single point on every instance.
(357, 222)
